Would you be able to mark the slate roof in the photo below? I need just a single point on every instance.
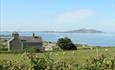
(31, 39)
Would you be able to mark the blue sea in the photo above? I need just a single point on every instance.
(95, 39)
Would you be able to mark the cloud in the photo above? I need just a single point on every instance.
(75, 16)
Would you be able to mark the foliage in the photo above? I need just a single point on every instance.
(103, 62)
(56, 48)
(66, 44)
(31, 50)
(18, 51)
(10, 65)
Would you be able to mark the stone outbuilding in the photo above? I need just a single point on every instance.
(21, 42)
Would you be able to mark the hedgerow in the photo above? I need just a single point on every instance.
(102, 62)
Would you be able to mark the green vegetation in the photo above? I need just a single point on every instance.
(3, 43)
(66, 44)
(46, 62)
(78, 56)
(85, 58)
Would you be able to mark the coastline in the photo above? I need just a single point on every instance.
(92, 39)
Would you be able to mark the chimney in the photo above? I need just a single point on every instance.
(34, 35)
(15, 35)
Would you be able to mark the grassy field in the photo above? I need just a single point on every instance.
(78, 56)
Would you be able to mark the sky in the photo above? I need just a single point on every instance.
(57, 15)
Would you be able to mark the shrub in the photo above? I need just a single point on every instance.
(46, 63)
(66, 44)
(32, 50)
(102, 62)
(12, 65)
(56, 48)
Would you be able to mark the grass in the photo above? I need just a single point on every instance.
(78, 56)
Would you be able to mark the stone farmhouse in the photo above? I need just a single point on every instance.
(21, 42)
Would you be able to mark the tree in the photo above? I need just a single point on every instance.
(66, 44)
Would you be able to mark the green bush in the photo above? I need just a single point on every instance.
(56, 48)
(66, 44)
(46, 63)
(12, 65)
(32, 50)
(102, 62)
(15, 51)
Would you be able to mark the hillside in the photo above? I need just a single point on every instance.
(84, 31)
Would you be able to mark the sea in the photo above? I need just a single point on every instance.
(93, 39)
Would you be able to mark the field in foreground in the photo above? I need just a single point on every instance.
(78, 56)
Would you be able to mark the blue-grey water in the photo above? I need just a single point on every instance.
(96, 39)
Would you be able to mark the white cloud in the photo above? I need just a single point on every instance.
(75, 16)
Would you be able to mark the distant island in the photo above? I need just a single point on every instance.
(83, 30)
